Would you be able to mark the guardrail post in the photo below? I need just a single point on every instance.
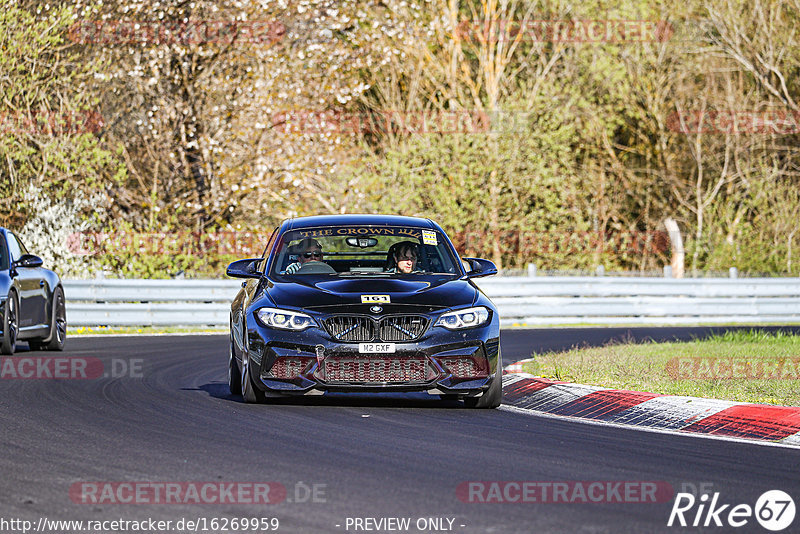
(676, 240)
(531, 270)
(600, 271)
(668, 271)
(733, 272)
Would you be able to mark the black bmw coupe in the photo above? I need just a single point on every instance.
(31, 299)
(363, 303)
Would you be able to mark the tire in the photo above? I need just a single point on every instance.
(58, 322)
(494, 395)
(234, 375)
(10, 325)
(250, 393)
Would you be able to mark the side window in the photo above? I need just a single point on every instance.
(15, 248)
(22, 246)
(265, 255)
(4, 263)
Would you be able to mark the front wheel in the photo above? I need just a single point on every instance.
(234, 375)
(250, 393)
(10, 325)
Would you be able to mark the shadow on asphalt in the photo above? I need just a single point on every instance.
(219, 390)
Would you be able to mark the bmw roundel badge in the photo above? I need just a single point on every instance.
(376, 309)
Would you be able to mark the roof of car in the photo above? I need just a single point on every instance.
(358, 219)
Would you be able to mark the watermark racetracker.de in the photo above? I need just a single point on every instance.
(530, 242)
(170, 244)
(736, 368)
(243, 243)
(195, 492)
(189, 32)
(68, 368)
(51, 122)
(564, 31)
(730, 122)
(383, 121)
(565, 491)
(149, 524)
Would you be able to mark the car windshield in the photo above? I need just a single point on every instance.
(363, 251)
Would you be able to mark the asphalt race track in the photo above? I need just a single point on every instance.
(163, 414)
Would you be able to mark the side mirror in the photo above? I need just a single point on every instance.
(480, 267)
(244, 268)
(28, 260)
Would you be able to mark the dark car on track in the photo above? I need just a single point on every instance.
(363, 303)
(31, 299)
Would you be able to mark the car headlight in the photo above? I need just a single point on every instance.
(284, 319)
(466, 318)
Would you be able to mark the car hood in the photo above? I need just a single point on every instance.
(320, 292)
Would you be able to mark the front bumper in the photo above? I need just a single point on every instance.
(445, 362)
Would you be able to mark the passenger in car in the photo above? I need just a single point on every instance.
(403, 257)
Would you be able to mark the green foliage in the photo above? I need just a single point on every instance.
(48, 131)
(167, 266)
(578, 159)
(742, 366)
(532, 150)
(756, 336)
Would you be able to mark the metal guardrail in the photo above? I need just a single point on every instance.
(520, 301)
(124, 302)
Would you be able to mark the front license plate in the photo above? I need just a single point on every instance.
(376, 348)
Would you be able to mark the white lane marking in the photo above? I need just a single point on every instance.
(526, 375)
(525, 411)
(794, 439)
(555, 396)
(516, 367)
(511, 379)
(671, 411)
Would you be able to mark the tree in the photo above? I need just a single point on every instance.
(50, 130)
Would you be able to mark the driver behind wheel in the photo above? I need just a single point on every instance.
(310, 252)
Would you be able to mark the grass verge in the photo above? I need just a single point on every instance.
(116, 330)
(741, 366)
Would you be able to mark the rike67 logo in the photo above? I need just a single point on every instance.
(774, 510)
